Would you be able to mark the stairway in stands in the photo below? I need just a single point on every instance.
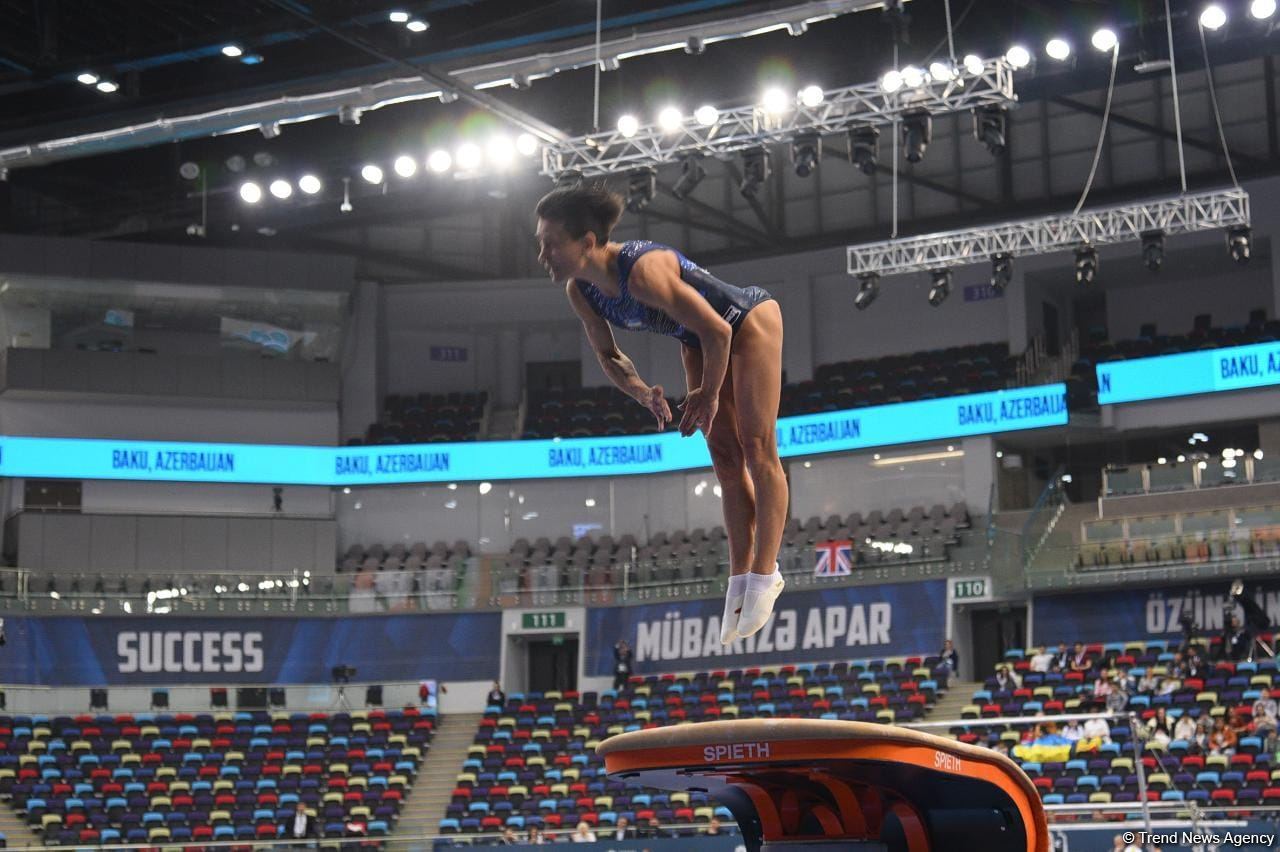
(959, 695)
(425, 806)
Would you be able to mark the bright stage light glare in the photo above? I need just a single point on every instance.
(372, 173)
(1018, 56)
(502, 151)
(281, 189)
(775, 101)
(628, 125)
(670, 119)
(250, 192)
(811, 96)
(440, 161)
(891, 81)
(706, 115)
(1213, 17)
(527, 144)
(1057, 49)
(1104, 40)
(405, 166)
(310, 184)
(88, 78)
(232, 51)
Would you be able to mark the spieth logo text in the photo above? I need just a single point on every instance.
(949, 762)
(735, 751)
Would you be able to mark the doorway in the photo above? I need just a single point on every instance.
(991, 633)
(553, 664)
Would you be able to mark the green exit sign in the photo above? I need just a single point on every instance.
(969, 590)
(541, 620)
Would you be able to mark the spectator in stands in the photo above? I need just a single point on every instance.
(1124, 680)
(1118, 697)
(1062, 659)
(509, 837)
(1195, 663)
(1072, 731)
(1185, 728)
(1223, 739)
(1264, 713)
(731, 349)
(535, 836)
(621, 663)
(1097, 732)
(496, 697)
(1237, 641)
(1006, 679)
(621, 831)
(1149, 682)
(1118, 844)
(1042, 662)
(949, 661)
(583, 833)
(1102, 688)
(302, 825)
(1239, 725)
(1080, 660)
(1160, 727)
(652, 829)
(713, 827)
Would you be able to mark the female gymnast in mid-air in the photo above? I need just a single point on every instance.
(731, 346)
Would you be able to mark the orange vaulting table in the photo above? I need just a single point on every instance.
(812, 783)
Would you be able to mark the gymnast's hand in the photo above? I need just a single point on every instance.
(657, 405)
(699, 411)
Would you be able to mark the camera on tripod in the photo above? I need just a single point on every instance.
(343, 673)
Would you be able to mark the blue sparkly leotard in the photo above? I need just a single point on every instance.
(730, 302)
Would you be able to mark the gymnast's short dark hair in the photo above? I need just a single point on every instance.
(582, 208)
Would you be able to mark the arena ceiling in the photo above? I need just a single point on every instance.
(166, 57)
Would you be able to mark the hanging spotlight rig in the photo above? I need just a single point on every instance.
(736, 129)
(1226, 209)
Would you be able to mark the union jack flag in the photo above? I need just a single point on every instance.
(834, 559)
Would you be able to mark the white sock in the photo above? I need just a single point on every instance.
(761, 582)
(738, 585)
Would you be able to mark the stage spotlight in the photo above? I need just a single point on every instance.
(405, 166)
(1238, 240)
(628, 125)
(917, 132)
(775, 101)
(399, 17)
(941, 72)
(1213, 17)
(88, 78)
(417, 26)
(811, 96)
(641, 186)
(1104, 40)
(1018, 56)
(706, 115)
(691, 174)
(1001, 271)
(232, 51)
(501, 151)
(250, 192)
(372, 173)
(891, 81)
(990, 127)
(1262, 9)
(864, 148)
(941, 286)
(107, 87)
(1153, 250)
(974, 64)
(755, 171)
(1086, 265)
(1058, 49)
(806, 150)
(868, 289)
(281, 189)
(912, 77)
(439, 161)
(310, 184)
(527, 144)
(670, 119)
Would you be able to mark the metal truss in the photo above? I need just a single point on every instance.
(1179, 214)
(750, 126)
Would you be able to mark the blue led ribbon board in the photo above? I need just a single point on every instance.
(833, 431)
(1187, 373)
